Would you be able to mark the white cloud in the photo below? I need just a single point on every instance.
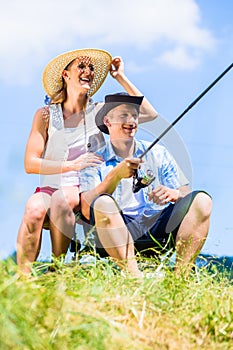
(179, 58)
(35, 31)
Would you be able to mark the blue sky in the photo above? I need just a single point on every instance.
(172, 49)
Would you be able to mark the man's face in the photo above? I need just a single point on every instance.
(122, 121)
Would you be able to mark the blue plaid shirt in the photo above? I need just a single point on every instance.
(158, 160)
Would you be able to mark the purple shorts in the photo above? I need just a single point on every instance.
(50, 190)
(46, 189)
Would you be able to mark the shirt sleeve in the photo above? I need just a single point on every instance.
(170, 174)
(89, 178)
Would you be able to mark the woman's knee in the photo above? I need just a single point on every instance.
(63, 200)
(35, 211)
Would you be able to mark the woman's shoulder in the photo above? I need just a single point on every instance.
(43, 113)
(41, 116)
(50, 111)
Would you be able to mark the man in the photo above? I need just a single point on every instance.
(166, 211)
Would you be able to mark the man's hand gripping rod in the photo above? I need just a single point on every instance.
(140, 182)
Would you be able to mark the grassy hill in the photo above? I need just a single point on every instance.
(92, 306)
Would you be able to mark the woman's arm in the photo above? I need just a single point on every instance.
(36, 143)
(147, 111)
(33, 161)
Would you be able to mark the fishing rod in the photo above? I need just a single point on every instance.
(146, 180)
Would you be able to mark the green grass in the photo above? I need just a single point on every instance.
(94, 307)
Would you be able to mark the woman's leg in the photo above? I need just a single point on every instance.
(62, 218)
(29, 234)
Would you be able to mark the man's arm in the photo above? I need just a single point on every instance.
(183, 191)
(162, 195)
(125, 169)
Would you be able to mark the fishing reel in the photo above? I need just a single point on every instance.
(144, 180)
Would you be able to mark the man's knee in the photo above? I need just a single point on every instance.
(105, 204)
(202, 204)
(104, 209)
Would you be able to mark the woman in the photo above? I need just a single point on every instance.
(62, 141)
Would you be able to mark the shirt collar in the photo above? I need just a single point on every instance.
(139, 148)
(110, 154)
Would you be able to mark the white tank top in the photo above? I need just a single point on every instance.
(69, 143)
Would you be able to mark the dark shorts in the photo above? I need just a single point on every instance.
(156, 230)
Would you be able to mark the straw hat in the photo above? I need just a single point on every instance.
(52, 75)
(112, 101)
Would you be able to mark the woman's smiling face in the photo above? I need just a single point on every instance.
(80, 72)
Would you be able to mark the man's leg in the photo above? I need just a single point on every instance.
(192, 233)
(113, 234)
(29, 234)
(62, 218)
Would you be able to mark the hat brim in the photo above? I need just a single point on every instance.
(107, 107)
(52, 74)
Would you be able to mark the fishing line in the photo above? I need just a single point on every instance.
(146, 180)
